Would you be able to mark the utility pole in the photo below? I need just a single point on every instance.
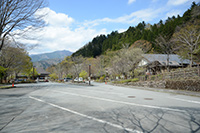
(33, 72)
(89, 73)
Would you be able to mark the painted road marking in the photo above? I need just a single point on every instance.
(190, 101)
(86, 116)
(121, 102)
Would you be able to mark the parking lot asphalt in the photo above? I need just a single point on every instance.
(58, 107)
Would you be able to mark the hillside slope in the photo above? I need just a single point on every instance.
(115, 41)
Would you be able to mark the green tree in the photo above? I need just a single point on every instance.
(15, 60)
(83, 74)
(2, 73)
(53, 76)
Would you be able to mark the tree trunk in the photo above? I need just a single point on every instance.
(191, 60)
(168, 62)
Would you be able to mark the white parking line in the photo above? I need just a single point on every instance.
(190, 101)
(86, 116)
(121, 102)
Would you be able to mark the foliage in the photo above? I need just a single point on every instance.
(93, 48)
(53, 76)
(2, 72)
(83, 74)
(30, 73)
(102, 78)
(15, 59)
(139, 71)
(135, 80)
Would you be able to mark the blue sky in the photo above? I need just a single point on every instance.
(73, 23)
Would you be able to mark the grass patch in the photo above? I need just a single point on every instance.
(126, 81)
(6, 87)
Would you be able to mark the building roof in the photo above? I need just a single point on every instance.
(162, 58)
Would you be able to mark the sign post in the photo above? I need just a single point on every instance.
(89, 73)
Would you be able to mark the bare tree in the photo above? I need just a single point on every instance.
(76, 65)
(60, 70)
(100, 65)
(188, 40)
(19, 15)
(126, 61)
(166, 45)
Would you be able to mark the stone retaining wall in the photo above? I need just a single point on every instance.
(153, 84)
(190, 85)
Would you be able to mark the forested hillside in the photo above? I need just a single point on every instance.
(115, 41)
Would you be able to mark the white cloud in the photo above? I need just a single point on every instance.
(177, 2)
(133, 18)
(122, 30)
(173, 13)
(55, 19)
(131, 1)
(59, 35)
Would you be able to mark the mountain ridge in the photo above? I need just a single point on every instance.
(46, 60)
(61, 54)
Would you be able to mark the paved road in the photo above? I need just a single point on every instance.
(67, 108)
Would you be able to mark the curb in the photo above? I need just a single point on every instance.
(7, 87)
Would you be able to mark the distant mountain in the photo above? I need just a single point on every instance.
(46, 63)
(54, 55)
(47, 59)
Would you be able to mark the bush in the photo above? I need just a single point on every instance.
(126, 81)
(135, 80)
(53, 76)
(139, 71)
(102, 78)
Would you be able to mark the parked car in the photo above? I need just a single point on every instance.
(67, 79)
(18, 80)
(80, 79)
(42, 79)
(61, 79)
